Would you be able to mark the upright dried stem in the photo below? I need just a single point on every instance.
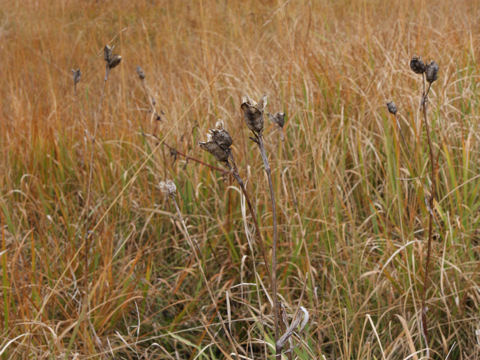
(276, 306)
(430, 205)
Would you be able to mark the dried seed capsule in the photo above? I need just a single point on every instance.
(114, 61)
(392, 108)
(278, 118)
(417, 65)
(77, 74)
(253, 113)
(107, 53)
(213, 148)
(431, 72)
(140, 73)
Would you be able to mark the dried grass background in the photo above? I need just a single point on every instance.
(350, 198)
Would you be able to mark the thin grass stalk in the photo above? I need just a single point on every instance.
(196, 252)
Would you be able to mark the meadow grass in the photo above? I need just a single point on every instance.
(350, 194)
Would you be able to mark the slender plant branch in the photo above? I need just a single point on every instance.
(430, 205)
(276, 307)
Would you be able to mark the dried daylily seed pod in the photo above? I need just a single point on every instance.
(417, 65)
(77, 74)
(392, 108)
(253, 113)
(431, 72)
(140, 73)
(114, 61)
(221, 136)
(107, 53)
(218, 142)
(278, 118)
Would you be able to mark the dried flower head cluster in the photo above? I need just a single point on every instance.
(392, 108)
(419, 67)
(168, 187)
(218, 142)
(111, 59)
(253, 113)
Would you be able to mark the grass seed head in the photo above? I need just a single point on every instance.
(431, 72)
(417, 65)
(392, 108)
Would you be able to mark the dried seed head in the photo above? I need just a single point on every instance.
(417, 65)
(253, 113)
(213, 148)
(107, 53)
(278, 118)
(222, 138)
(77, 74)
(431, 72)
(168, 187)
(392, 108)
(140, 73)
(218, 142)
(114, 61)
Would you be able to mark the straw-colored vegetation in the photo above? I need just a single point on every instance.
(81, 170)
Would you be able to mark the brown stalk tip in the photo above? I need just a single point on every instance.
(218, 142)
(253, 113)
(417, 65)
(392, 108)
(140, 73)
(431, 72)
(278, 118)
(77, 74)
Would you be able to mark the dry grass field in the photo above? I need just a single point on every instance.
(97, 263)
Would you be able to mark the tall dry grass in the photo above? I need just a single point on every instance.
(350, 197)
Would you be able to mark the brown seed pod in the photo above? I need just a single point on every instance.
(431, 72)
(253, 113)
(278, 118)
(392, 108)
(417, 65)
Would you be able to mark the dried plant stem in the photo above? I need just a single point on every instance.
(276, 306)
(233, 167)
(196, 252)
(430, 205)
(89, 183)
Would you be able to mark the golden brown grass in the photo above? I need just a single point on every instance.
(350, 197)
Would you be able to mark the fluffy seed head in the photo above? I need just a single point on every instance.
(168, 187)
